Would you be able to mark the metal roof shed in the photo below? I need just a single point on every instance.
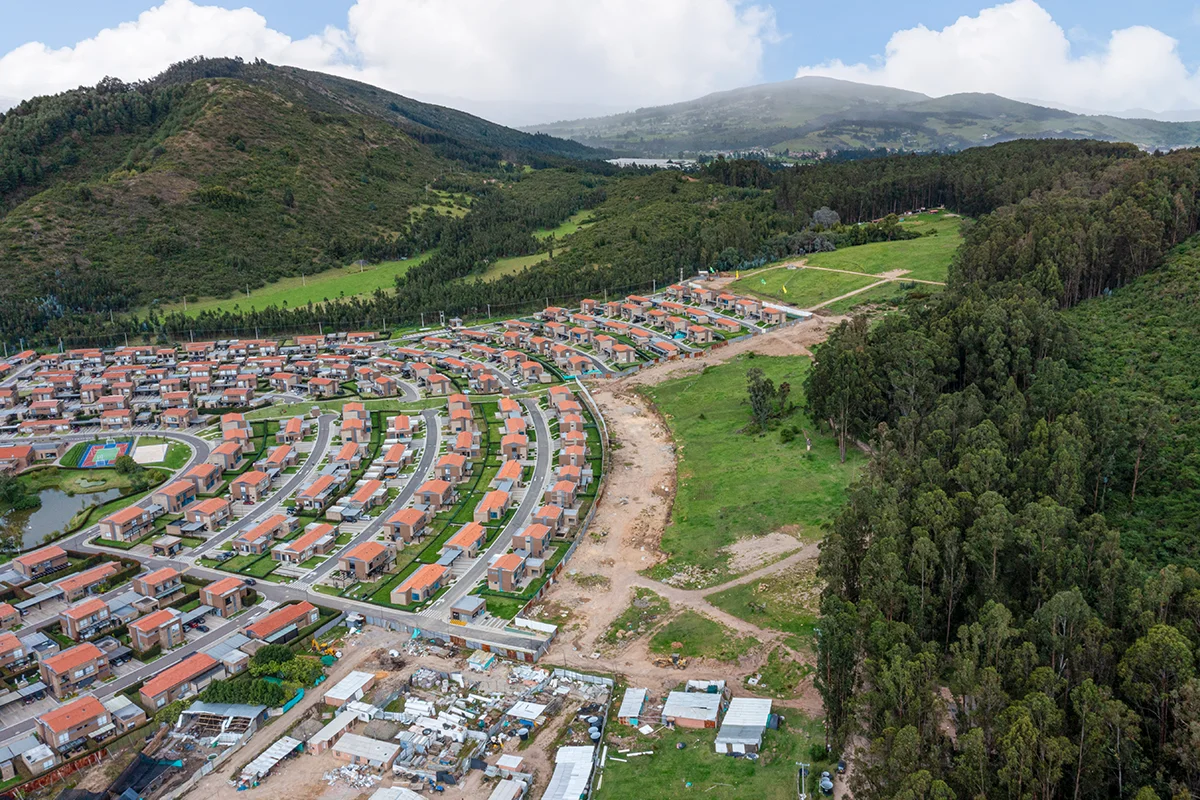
(508, 789)
(572, 772)
(361, 750)
(323, 739)
(743, 726)
(692, 709)
(631, 706)
(351, 687)
(267, 760)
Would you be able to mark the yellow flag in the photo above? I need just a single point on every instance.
(784, 289)
(737, 273)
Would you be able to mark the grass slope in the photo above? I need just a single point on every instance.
(733, 485)
(927, 258)
(351, 281)
(1141, 343)
(805, 288)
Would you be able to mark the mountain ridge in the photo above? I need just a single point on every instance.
(818, 113)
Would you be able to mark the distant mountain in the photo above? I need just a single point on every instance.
(218, 175)
(813, 113)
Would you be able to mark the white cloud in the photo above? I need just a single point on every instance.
(1018, 50)
(529, 54)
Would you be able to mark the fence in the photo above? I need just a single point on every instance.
(205, 768)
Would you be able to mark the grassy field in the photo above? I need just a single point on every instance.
(510, 266)
(644, 611)
(700, 637)
(805, 288)
(566, 228)
(697, 771)
(786, 601)
(927, 258)
(332, 283)
(734, 485)
(889, 294)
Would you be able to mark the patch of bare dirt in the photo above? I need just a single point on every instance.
(756, 551)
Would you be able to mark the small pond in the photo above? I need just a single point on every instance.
(53, 514)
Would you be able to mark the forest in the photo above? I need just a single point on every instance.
(1012, 605)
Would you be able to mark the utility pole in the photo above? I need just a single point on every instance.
(803, 779)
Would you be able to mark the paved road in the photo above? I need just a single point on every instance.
(296, 480)
(533, 498)
(428, 454)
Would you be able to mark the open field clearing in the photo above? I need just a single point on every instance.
(566, 227)
(927, 258)
(350, 281)
(734, 485)
(803, 288)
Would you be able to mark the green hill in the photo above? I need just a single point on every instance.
(219, 176)
(813, 113)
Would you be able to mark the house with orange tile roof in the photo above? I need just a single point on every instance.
(365, 495)
(562, 493)
(510, 476)
(249, 487)
(70, 724)
(402, 426)
(41, 562)
(452, 467)
(12, 651)
(173, 497)
(225, 596)
(396, 457)
(210, 515)
(86, 619)
(9, 616)
(408, 524)
(162, 628)
(84, 583)
(17, 458)
(227, 456)
(189, 676)
(531, 370)
(461, 419)
(506, 573)
(291, 432)
(514, 446)
(492, 507)
(435, 495)
(317, 539)
(206, 477)
(367, 560)
(552, 517)
(349, 455)
(258, 539)
(277, 625)
(318, 494)
(73, 669)
(507, 408)
(159, 584)
(419, 586)
(466, 444)
(129, 523)
(469, 539)
(533, 540)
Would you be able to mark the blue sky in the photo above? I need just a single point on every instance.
(815, 31)
(523, 61)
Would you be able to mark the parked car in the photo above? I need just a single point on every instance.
(251, 582)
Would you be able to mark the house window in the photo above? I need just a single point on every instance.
(63, 738)
(161, 701)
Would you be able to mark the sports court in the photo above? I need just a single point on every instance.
(103, 454)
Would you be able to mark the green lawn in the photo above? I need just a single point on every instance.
(700, 637)
(349, 281)
(800, 287)
(733, 485)
(697, 771)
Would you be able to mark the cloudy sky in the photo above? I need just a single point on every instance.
(526, 61)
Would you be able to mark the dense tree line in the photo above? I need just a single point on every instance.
(985, 631)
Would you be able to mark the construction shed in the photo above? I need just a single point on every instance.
(327, 737)
(267, 760)
(745, 722)
(572, 772)
(225, 723)
(632, 705)
(691, 709)
(366, 752)
(351, 687)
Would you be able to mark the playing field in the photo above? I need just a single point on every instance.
(104, 454)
